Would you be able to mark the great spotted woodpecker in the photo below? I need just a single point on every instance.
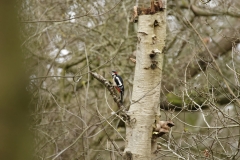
(119, 84)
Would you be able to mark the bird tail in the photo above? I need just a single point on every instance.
(121, 96)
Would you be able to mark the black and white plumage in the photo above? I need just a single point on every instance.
(117, 80)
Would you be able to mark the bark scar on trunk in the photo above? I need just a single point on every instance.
(155, 24)
(153, 65)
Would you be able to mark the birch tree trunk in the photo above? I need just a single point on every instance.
(144, 110)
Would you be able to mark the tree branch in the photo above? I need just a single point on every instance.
(198, 11)
(219, 47)
(109, 86)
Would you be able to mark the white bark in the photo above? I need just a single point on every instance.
(144, 109)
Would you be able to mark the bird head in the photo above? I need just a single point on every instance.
(114, 73)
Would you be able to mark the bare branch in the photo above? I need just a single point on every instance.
(109, 86)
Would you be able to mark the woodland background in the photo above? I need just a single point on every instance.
(62, 40)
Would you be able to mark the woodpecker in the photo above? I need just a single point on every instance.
(117, 80)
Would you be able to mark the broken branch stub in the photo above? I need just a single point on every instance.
(155, 6)
(162, 127)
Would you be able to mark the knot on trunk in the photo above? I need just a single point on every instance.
(154, 51)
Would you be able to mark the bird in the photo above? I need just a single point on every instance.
(117, 80)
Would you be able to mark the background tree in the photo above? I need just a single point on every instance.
(74, 114)
(15, 139)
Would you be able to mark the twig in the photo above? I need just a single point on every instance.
(213, 59)
(200, 107)
(80, 136)
(200, 127)
(86, 146)
(68, 19)
(205, 2)
(107, 133)
(52, 64)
